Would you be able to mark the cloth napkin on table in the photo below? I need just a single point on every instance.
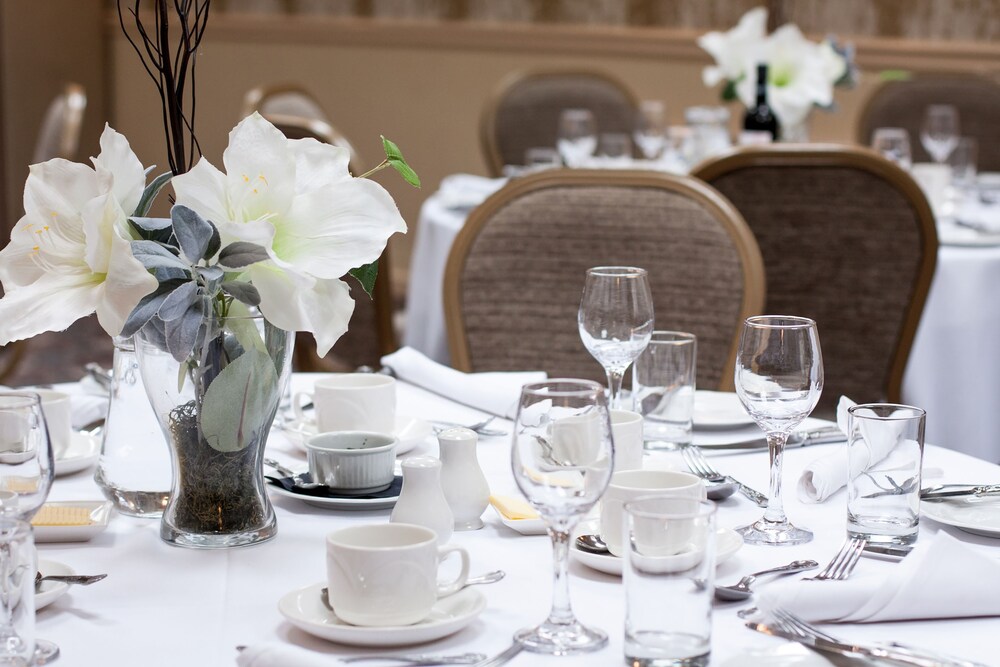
(496, 393)
(827, 474)
(281, 655)
(467, 191)
(941, 578)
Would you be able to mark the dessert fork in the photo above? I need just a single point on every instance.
(842, 564)
(699, 465)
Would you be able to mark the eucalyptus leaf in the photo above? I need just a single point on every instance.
(153, 331)
(214, 243)
(366, 275)
(153, 255)
(171, 273)
(243, 292)
(240, 402)
(178, 302)
(182, 333)
(193, 232)
(212, 277)
(142, 313)
(150, 192)
(241, 254)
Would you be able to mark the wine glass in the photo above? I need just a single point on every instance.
(939, 133)
(562, 457)
(616, 320)
(26, 470)
(893, 143)
(650, 131)
(577, 136)
(779, 378)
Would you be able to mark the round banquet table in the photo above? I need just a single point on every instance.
(954, 366)
(163, 605)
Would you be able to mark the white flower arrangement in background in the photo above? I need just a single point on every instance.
(801, 74)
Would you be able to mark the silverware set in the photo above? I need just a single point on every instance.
(699, 465)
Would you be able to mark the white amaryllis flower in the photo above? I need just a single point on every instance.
(70, 254)
(732, 50)
(297, 199)
(801, 74)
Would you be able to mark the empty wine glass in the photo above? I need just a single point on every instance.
(616, 320)
(562, 457)
(779, 378)
(26, 471)
(893, 143)
(650, 131)
(940, 131)
(577, 136)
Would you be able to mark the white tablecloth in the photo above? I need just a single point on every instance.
(954, 367)
(167, 606)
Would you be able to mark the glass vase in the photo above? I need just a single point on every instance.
(133, 471)
(215, 408)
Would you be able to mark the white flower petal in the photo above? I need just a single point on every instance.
(127, 174)
(203, 189)
(99, 222)
(318, 164)
(260, 170)
(51, 303)
(331, 231)
(325, 310)
(126, 282)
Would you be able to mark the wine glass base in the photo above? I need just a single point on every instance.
(45, 652)
(774, 533)
(561, 638)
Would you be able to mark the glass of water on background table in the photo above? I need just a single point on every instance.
(663, 386)
(577, 136)
(885, 454)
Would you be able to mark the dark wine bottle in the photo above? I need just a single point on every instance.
(760, 117)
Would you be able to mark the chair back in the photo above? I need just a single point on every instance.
(524, 111)
(902, 104)
(59, 135)
(848, 240)
(283, 99)
(516, 270)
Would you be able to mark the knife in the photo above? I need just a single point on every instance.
(820, 436)
(945, 491)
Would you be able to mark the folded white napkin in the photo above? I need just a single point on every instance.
(827, 474)
(467, 190)
(280, 655)
(496, 393)
(941, 578)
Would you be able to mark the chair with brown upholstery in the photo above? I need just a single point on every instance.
(902, 104)
(524, 111)
(516, 270)
(848, 240)
(59, 135)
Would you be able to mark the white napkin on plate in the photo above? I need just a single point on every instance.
(496, 393)
(466, 191)
(941, 578)
(280, 655)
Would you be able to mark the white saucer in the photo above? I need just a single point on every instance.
(718, 410)
(524, 526)
(728, 542)
(83, 451)
(50, 591)
(350, 504)
(304, 609)
(410, 432)
(976, 516)
(100, 515)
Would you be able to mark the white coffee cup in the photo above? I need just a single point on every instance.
(631, 484)
(386, 574)
(626, 428)
(351, 402)
(576, 439)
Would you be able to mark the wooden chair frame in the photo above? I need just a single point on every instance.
(754, 286)
(487, 120)
(863, 159)
(256, 96)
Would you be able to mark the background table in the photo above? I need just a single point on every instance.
(167, 606)
(954, 366)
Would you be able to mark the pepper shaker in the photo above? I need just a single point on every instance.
(462, 479)
(421, 500)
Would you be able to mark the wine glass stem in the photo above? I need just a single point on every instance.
(615, 389)
(562, 611)
(775, 512)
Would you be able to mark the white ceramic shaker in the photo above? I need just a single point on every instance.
(421, 500)
(462, 479)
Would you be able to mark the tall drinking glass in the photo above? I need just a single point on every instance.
(562, 457)
(650, 131)
(940, 131)
(616, 320)
(26, 470)
(779, 378)
(577, 136)
(894, 145)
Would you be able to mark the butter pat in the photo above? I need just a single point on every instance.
(513, 509)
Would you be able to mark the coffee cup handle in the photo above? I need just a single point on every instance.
(459, 583)
(300, 414)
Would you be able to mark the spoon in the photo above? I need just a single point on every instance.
(82, 580)
(741, 590)
(296, 478)
(592, 544)
(488, 578)
(720, 490)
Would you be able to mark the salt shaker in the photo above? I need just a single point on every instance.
(421, 500)
(462, 479)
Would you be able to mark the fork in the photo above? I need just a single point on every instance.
(478, 427)
(842, 564)
(699, 465)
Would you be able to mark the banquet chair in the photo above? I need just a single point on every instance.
(902, 104)
(516, 271)
(848, 240)
(371, 334)
(524, 111)
(283, 99)
(59, 135)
